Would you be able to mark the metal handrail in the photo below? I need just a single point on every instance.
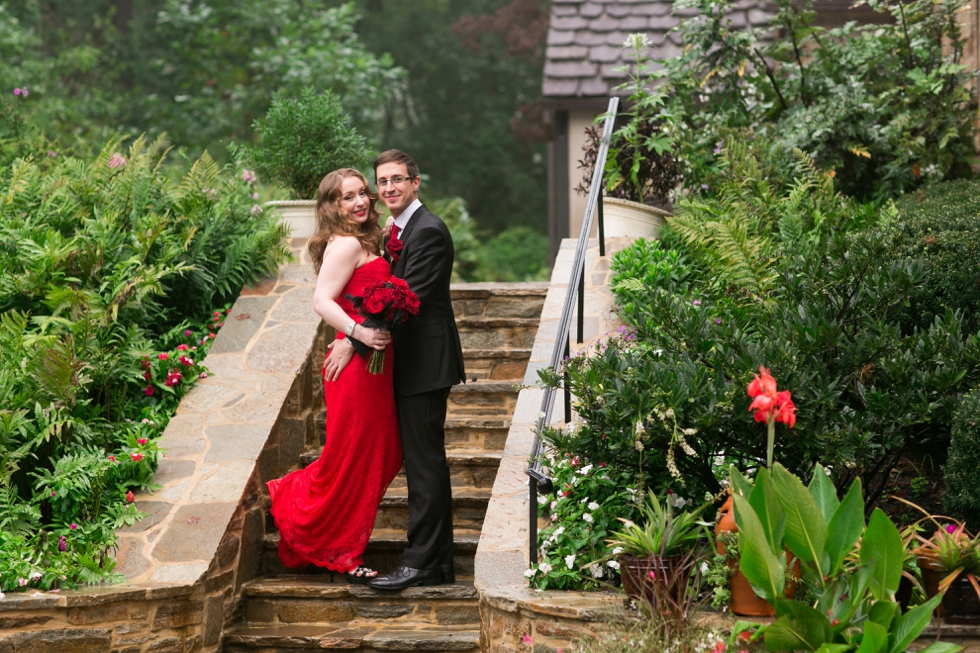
(576, 289)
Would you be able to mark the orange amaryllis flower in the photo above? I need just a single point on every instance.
(770, 405)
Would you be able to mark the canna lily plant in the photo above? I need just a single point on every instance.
(770, 406)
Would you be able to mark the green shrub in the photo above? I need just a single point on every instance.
(516, 254)
(302, 139)
(961, 496)
(107, 267)
(940, 226)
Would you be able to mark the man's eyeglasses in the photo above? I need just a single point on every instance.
(397, 180)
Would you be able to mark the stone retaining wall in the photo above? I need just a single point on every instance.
(248, 422)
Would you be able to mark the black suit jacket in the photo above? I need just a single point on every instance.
(428, 355)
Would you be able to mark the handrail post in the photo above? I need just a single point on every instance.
(602, 227)
(533, 523)
(566, 390)
(581, 306)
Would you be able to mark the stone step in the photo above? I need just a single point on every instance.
(483, 399)
(496, 364)
(469, 508)
(352, 636)
(318, 600)
(498, 299)
(384, 553)
(468, 468)
(478, 332)
(477, 433)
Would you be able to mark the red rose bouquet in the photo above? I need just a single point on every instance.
(385, 305)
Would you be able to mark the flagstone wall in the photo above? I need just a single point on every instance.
(185, 563)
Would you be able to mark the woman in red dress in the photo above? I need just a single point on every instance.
(325, 513)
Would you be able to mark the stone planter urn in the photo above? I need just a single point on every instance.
(626, 218)
(300, 215)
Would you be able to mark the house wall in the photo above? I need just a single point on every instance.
(578, 121)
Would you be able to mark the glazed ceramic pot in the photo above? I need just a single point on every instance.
(626, 218)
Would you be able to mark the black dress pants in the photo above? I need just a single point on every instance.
(422, 418)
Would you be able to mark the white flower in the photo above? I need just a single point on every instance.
(584, 500)
(704, 567)
(558, 531)
(617, 550)
(585, 470)
(593, 506)
(640, 429)
(690, 431)
(596, 570)
(530, 573)
(570, 560)
(36, 575)
(587, 518)
(637, 41)
(543, 499)
(2, 596)
(613, 564)
(544, 568)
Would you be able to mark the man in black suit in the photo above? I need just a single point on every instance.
(428, 362)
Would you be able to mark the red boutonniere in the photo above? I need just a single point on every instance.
(394, 248)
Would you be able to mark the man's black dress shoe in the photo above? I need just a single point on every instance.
(403, 577)
(448, 573)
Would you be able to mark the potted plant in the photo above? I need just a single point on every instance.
(657, 556)
(300, 140)
(641, 169)
(950, 565)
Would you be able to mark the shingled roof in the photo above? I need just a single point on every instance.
(585, 39)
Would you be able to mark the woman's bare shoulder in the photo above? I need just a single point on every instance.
(343, 245)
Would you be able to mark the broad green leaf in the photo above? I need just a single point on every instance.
(845, 526)
(799, 628)
(883, 612)
(766, 505)
(833, 648)
(883, 543)
(823, 492)
(909, 625)
(875, 638)
(941, 647)
(740, 484)
(762, 568)
(806, 530)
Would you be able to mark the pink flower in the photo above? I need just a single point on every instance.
(149, 391)
(204, 375)
(217, 315)
(526, 640)
(188, 333)
(62, 543)
(136, 456)
(24, 92)
(210, 335)
(22, 582)
(950, 528)
(73, 526)
(112, 458)
(181, 347)
(186, 361)
(256, 209)
(173, 378)
(54, 494)
(163, 356)
(141, 441)
(117, 161)
(16, 91)
(130, 497)
(248, 176)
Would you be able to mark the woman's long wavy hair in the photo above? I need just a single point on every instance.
(332, 221)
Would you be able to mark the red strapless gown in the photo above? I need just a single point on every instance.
(325, 513)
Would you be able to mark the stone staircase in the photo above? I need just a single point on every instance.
(306, 611)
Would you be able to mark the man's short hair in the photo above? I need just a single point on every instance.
(397, 156)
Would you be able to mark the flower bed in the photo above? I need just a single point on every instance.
(109, 266)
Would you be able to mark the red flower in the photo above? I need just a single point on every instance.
(217, 314)
(374, 305)
(141, 441)
(185, 360)
(173, 378)
(112, 458)
(136, 456)
(163, 356)
(130, 496)
(394, 248)
(768, 403)
(181, 347)
(745, 635)
(149, 391)
(145, 363)
(210, 335)
(147, 375)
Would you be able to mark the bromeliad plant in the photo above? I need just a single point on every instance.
(662, 531)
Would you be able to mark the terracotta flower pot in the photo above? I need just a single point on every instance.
(931, 577)
(745, 602)
(961, 603)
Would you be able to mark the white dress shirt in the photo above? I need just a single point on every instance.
(402, 221)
